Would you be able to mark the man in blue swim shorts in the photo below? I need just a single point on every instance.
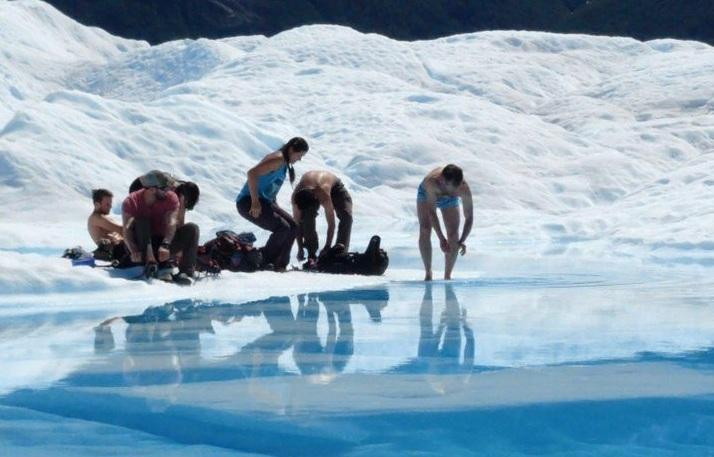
(442, 188)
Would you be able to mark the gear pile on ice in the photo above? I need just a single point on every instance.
(372, 262)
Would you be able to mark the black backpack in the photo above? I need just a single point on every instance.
(373, 262)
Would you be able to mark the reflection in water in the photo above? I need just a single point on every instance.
(433, 404)
(163, 344)
(442, 349)
(310, 355)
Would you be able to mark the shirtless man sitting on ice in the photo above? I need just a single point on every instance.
(106, 233)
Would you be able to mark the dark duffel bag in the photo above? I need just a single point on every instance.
(372, 262)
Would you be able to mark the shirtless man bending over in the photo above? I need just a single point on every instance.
(442, 188)
(321, 188)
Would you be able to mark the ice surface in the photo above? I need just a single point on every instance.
(575, 146)
(579, 323)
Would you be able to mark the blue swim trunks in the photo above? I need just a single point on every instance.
(441, 202)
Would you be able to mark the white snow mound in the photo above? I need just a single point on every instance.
(572, 144)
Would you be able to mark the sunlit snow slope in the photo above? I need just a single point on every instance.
(573, 145)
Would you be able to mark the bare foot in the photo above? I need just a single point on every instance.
(427, 277)
(447, 278)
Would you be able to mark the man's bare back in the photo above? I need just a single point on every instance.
(317, 179)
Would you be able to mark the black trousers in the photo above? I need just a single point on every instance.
(342, 202)
(281, 225)
(185, 241)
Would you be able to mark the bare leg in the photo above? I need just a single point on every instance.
(425, 238)
(452, 220)
(428, 344)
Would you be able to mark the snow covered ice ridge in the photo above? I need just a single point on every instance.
(574, 146)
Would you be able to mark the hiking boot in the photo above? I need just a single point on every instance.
(311, 264)
(165, 275)
(150, 270)
(183, 279)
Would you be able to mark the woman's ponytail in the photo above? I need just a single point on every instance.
(297, 144)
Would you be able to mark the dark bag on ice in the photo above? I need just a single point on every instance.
(79, 256)
(373, 261)
(229, 251)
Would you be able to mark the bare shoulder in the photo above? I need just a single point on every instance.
(430, 181)
(271, 161)
(93, 219)
(432, 177)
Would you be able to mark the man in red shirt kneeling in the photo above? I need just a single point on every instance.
(151, 230)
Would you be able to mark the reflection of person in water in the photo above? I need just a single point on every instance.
(260, 357)
(163, 343)
(342, 347)
(374, 300)
(440, 348)
(159, 342)
(311, 357)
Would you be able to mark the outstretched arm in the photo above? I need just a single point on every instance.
(181, 216)
(436, 225)
(128, 233)
(467, 200)
(171, 226)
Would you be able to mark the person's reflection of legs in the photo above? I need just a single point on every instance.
(308, 349)
(470, 348)
(450, 327)
(455, 319)
(331, 328)
(341, 348)
(428, 344)
(279, 314)
(260, 357)
(103, 336)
